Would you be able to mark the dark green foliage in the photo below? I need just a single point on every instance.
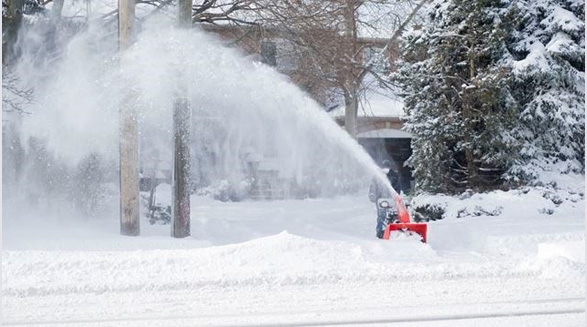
(429, 212)
(459, 105)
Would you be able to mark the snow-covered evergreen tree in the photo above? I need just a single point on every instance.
(548, 53)
(459, 106)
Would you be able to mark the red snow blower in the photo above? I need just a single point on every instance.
(402, 222)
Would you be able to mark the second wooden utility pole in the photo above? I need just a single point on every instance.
(180, 226)
(129, 143)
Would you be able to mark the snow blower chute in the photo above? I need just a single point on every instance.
(398, 219)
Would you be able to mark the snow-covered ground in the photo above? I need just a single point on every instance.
(301, 263)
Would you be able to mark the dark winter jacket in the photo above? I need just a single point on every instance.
(377, 190)
(393, 177)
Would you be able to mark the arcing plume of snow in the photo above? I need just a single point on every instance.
(244, 113)
(245, 108)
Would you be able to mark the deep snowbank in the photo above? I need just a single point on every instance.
(304, 261)
(282, 259)
(291, 242)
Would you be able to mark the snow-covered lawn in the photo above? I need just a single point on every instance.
(300, 263)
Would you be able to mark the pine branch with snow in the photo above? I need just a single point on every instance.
(548, 51)
(459, 104)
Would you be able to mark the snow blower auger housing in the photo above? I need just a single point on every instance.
(398, 218)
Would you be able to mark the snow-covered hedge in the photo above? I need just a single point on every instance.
(545, 200)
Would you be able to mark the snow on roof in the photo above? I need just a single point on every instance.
(375, 105)
(384, 133)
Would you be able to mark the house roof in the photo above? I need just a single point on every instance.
(384, 133)
(375, 104)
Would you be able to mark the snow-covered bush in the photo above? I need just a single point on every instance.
(428, 211)
(546, 200)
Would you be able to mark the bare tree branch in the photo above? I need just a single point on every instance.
(393, 39)
(14, 98)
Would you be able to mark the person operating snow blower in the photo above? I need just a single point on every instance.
(392, 214)
(378, 191)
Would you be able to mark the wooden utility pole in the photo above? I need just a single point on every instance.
(180, 226)
(129, 142)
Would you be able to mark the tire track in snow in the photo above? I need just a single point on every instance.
(315, 322)
(427, 319)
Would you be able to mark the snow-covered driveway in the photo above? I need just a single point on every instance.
(297, 263)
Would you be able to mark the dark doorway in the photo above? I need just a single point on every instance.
(397, 150)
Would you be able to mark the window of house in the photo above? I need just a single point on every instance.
(269, 53)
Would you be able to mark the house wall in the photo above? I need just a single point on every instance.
(368, 124)
(248, 39)
(365, 124)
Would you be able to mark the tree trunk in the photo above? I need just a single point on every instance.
(10, 25)
(129, 149)
(351, 83)
(56, 10)
(181, 157)
(350, 115)
(185, 13)
(469, 156)
(472, 176)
